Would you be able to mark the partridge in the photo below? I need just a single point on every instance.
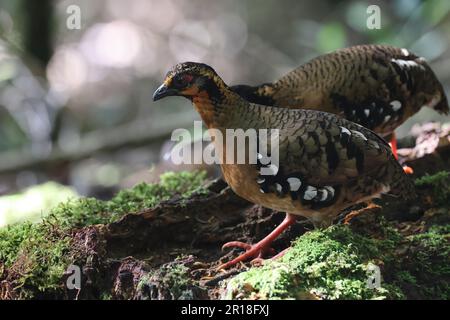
(326, 163)
(376, 86)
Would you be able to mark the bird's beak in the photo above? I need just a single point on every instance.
(163, 91)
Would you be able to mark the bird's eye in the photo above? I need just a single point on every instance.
(177, 82)
(181, 81)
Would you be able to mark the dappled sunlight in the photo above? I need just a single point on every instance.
(115, 44)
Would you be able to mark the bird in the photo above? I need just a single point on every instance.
(376, 86)
(326, 163)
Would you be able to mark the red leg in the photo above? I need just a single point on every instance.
(256, 250)
(280, 254)
(393, 143)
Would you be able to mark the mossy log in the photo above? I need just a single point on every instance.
(162, 241)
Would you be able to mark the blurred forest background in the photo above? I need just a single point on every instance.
(75, 104)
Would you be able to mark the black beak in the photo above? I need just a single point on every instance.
(163, 91)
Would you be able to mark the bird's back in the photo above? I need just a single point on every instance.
(376, 86)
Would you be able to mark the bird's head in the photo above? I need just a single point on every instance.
(190, 80)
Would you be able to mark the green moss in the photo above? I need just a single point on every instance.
(426, 266)
(88, 211)
(328, 264)
(38, 254)
(11, 238)
(176, 278)
(171, 281)
(183, 184)
(333, 264)
(440, 186)
(106, 296)
(406, 277)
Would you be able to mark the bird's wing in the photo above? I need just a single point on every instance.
(322, 152)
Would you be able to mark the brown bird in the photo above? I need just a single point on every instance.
(376, 86)
(326, 163)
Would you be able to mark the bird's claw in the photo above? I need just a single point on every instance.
(259, 249)
(408, 170)
(237, 244)
(247, 247)
(257, 252)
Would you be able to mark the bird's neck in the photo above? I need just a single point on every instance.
(205, 106)
(216, 107)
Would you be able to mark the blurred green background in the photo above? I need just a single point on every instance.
(75, 104)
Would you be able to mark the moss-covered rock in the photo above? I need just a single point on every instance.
(171, 281)
(336, 263)
(425, 266)
(88, 211)
(321, 264)
(34, 256)
(439, 184)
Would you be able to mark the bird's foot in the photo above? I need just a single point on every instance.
(353, 214)
(260, 261)
(258, 250)
(393, 144)
(408, 169)
(248, 247)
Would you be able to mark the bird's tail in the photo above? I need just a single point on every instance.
(442, 105)
(435, 91)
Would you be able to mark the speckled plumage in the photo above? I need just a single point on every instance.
(326, 163)
(376, 86)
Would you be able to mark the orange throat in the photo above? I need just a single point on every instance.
(205, 108)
